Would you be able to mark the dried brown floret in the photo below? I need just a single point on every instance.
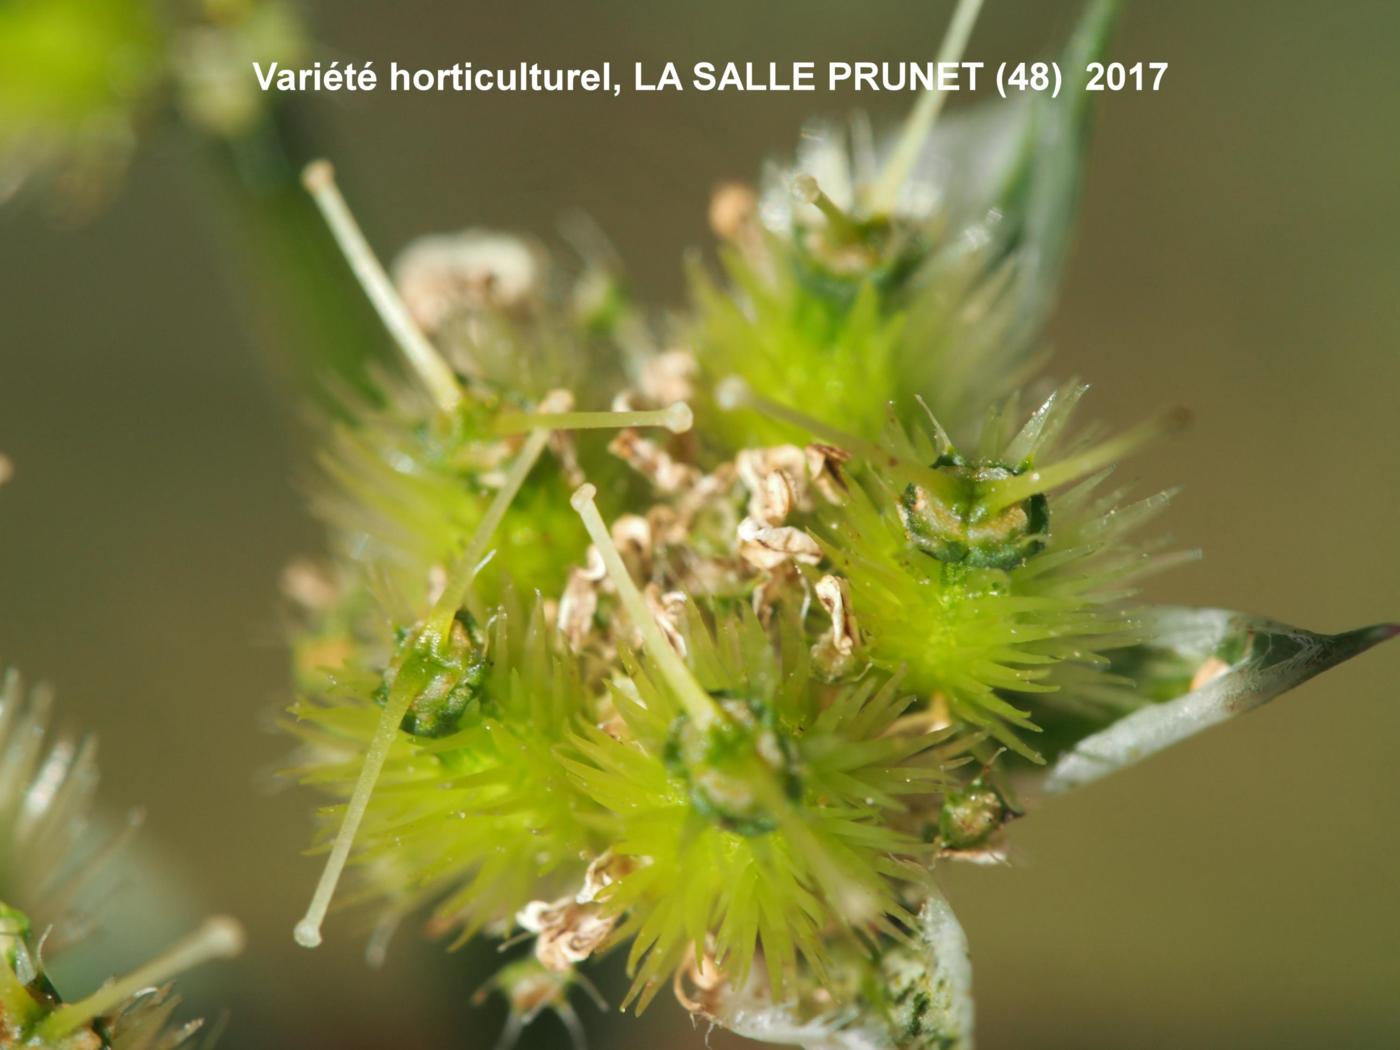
(566, 932)
(765, 547)
(653, 462)
(835, 650)
(441, 277)
(776, 479)
(668, 377)
(824, 467)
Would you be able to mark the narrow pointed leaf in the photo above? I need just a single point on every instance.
(1042, 193)
(1205, 666)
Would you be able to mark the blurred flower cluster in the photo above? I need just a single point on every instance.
(82, 80)
(54, 862)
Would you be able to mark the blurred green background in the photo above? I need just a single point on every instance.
(1237, 254)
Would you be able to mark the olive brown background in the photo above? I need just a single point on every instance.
(1238, 253)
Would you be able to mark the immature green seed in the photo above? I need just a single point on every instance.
(453, 672)
(969, 818)
(728, 762)
(964, 531)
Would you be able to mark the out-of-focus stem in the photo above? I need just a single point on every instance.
(677, 418)
(218, 938)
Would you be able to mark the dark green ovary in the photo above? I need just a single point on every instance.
(968, 819)
(964, 532)
(722, 763)
(446, 683)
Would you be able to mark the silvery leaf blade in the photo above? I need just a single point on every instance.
(1228, 662)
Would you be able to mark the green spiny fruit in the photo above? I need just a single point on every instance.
(416, 495)
(478, 817)
(751, 827)
(868, 274)
(987, 591)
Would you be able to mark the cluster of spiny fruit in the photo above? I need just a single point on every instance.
(724, 681)
(711, 642)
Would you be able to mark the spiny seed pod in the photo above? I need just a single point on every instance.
(718, 760)
(988, 638)
(878, 269)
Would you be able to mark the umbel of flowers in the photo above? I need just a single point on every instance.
(710, 644)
